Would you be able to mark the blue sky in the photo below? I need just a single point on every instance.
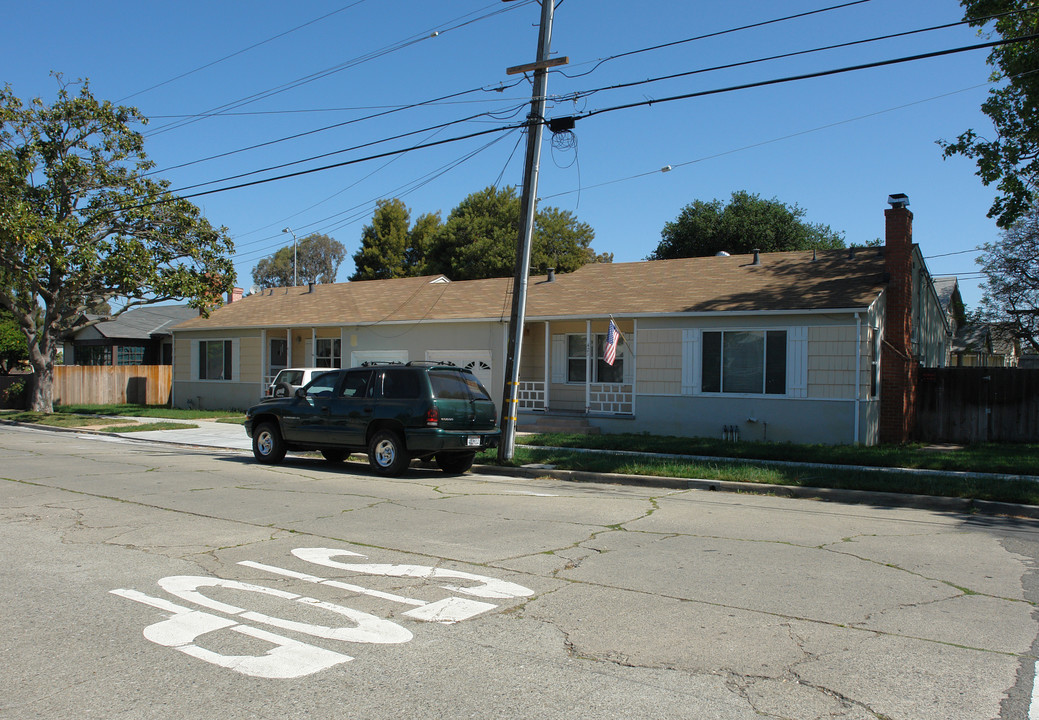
(836, 146)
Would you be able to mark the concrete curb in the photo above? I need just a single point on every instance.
(963, 506)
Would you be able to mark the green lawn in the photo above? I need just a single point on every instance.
(149, 411)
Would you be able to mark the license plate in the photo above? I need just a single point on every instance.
(474, 441)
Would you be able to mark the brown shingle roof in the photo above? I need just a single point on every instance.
(783, 281)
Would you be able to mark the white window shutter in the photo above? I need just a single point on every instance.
(625, 352)
(559, 364)
(797, 362)
(236, 360)
(691, 362)
(194, 360)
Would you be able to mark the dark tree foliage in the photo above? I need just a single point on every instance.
(316, 258)
(746, 224)
(1010, 157)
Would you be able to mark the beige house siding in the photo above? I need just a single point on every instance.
(831, 362)
(659, 362)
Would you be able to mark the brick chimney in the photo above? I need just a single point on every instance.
(235, 295)
(899, 369)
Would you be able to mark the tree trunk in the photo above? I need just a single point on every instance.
(43, 386)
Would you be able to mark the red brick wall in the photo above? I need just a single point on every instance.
(898, 368)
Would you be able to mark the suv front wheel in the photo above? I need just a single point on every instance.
(268, 447)
(386, 453)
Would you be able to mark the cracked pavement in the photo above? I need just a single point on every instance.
(645, 602)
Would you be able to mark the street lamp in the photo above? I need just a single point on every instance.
(294, 280)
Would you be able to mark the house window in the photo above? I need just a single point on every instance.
(214, 360)
(93, 355)
(129, 355)
(328, 352)
(749, 362)
(576, 360)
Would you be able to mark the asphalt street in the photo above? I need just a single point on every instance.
(142, 579)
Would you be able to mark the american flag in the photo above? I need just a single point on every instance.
(611, 344)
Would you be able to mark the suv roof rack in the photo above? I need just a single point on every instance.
(432, 363)
(372, 363)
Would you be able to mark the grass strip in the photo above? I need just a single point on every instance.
(1004, 458)
(144, 427)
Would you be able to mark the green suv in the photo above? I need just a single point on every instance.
(392, 412)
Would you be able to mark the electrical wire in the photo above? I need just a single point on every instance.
(243, 50)
(743, 63)
(296, 136)
(809, 76)
(711, 35)
(770, 141)
(375, 54)
(340, 151)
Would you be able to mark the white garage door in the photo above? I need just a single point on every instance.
(479, 361)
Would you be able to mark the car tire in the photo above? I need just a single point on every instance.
(335, 455)
(268, 445)
(455, 463)
(386, 453)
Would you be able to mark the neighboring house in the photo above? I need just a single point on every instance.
(986, 345)
(793, 346)
(137, 337)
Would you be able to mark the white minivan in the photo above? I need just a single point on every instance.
(287, 381)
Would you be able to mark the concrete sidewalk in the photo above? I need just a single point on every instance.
(209, 433)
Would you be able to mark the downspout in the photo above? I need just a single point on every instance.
(173, 367)
(288, 348)
(587, 367)
(858, 373)
(548, 355)
(634, 365)
(265, 362)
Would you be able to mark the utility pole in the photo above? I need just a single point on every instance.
(535, 126)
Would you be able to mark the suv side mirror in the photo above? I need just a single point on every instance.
(300, 392)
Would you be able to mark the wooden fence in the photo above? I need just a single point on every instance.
(967, 405)
(112, 384)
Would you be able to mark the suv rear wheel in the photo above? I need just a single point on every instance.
(456, 463)
(386, 453)
(268, 446)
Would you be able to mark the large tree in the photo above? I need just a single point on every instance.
(390, 246)
(478, 239)
(746, 224)
(1011, 289)
(315, 258)
(1010, 159)
(81, 224)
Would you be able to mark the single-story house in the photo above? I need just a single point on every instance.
(790, 346)
(985, 345)
(137, 337)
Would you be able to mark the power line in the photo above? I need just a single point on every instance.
(375, 54)
(717, 33)
(807, 76)
(743, 63)
(239, 52)
(332, 127)
(685, 96)
(343, 150)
